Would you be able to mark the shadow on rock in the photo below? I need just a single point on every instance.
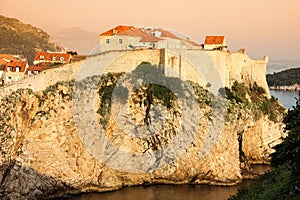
(19, 182)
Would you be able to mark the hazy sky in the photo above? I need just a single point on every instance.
(263, 27)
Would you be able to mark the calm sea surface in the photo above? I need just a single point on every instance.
(287, 98)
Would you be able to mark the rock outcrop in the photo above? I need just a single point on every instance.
(43, 154)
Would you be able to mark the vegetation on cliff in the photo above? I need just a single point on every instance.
(287, 77)
(24, 39)
(151, 91)
(283, 182)
(39, 128)
(253, 98)
(32, 113)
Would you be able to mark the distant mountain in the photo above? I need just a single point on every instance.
(25, 39)
(280, 65)
(288, 77)
(76, 39)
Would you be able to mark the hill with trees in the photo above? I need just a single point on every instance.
(24, 39)
(289, 77)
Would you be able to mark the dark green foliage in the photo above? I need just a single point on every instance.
(288, 152)
(257, 89)
(148, 73)
(239, 89)
(237, 93)
(145, 72)
(155, 86)
(284, 78)
(204, 97)
(278, 184)
(107, 84)
(254, 98)
(292, 120)
(260, 102)
(282, 181)
(164, 94)
(52, 89)
(162, 87)
(269, 107)
(24, 39)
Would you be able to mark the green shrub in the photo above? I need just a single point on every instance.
(284, 177)
(288, 152)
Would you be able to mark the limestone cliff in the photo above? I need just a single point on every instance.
(43, 155)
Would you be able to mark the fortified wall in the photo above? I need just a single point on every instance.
(206, 67)
(203, 67)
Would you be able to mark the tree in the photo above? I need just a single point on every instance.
(288, 152)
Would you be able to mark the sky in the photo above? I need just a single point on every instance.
(262, 27)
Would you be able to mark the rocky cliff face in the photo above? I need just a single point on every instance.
(44, 154)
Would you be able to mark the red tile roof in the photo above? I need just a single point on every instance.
(14, 65)
(116, 30)
(150, 38)
(135, 32)
(4, 58)
(36, 68)
(168, 34)
(48, 56)
(131, 31)
(214, 40)
(146, 34)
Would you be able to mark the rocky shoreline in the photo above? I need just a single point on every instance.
(294, 87)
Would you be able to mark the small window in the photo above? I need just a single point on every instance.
(54, 58)
(120, 41)
(36, 72)
(29, 72)
(107, 41)
(62, 58)
(42, 57)
(17, 69)
(9, 69)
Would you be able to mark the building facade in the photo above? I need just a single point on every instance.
(130, 37)
(51, 57)
(215, 43)
(14, 71)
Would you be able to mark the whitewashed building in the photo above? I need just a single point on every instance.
(215, 43)
(130, 37)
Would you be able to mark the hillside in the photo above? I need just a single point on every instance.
(25, 39)
(281, 65)
(287, 77)
(76, 39)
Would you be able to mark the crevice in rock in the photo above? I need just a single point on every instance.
(148, 101)
(244, 164)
